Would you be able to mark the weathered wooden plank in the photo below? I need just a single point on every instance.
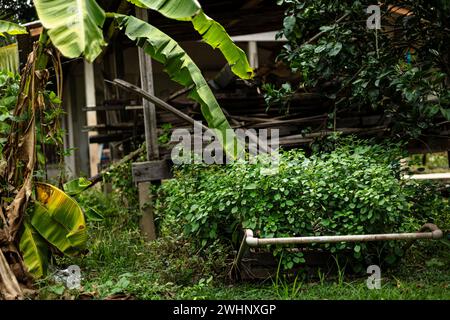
(147, 222)
(146, 95)
(150, 97)
(151, 171)
(112, 107)
(91, 116)
(145, 66)
(111, 137)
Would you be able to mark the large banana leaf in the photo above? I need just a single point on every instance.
(183, 70)
(173, 9)
(59, 219)
(9, 61)
(74, 26)
(34, 251)
(211, 31)
(11, 28)
(216, 36)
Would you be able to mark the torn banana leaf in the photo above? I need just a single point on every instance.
(211, 31)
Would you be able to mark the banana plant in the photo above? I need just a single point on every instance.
(75, 27)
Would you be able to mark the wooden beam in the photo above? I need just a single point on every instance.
(151, 171)
(110, 137)
(160, 103)
(91, 116)
(147, 222)
(128, 86)
(253, 54)
(146, 70)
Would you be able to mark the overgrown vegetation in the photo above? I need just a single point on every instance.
(353, 189)
(121, 265)
(36, 116)
(343, 188)
(9, 91)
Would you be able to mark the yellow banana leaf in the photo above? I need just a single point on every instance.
(59, 219)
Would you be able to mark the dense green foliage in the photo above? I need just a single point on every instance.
(49, 133)
(9, 90)
(354, 189)
(402, 69)
(122, 184)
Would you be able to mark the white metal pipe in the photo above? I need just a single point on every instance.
(429, 176)
(434, 234)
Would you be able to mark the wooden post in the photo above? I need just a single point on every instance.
(151, 138)
(147, 222)
(146, 70)
(91, 116)
(253, 54)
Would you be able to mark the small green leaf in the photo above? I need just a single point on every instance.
(93, 214)
(57, 289)
(251, 186)
(76, 186)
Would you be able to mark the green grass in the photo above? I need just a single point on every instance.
(120, 262)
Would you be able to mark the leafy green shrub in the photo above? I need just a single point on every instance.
(351, 190)
(121, 180)
(395, 71)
